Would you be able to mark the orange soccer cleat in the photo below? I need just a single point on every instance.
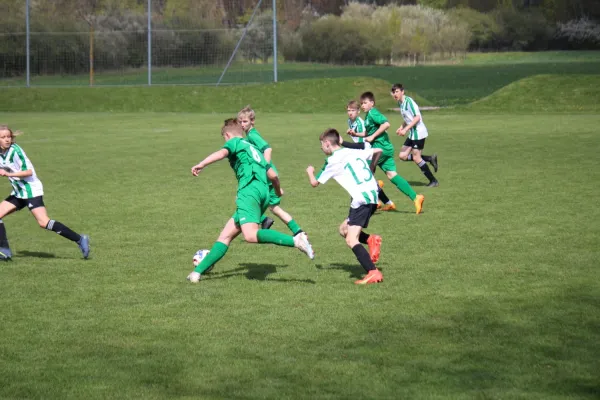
(419, 203)
(374, 276)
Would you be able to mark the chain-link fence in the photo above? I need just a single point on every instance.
(74, 43)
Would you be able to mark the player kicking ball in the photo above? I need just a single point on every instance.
(252, 173)
(350, 168)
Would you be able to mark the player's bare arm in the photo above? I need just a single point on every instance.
(378, 132)
(268, 154)
(402, 131)
(213, 158)
(311, 176)
(18, 174)
(272, 175)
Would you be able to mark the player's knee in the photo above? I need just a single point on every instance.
(43, 223)
(403, 156)
(251, 237)
(351, 241)
(391, 174)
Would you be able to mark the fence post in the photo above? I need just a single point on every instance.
(275, 40)
(149, 42)
(27, 40)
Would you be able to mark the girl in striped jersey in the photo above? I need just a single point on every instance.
(28, 191)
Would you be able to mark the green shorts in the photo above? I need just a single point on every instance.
(387, 163)
(252, 202)
(274, 200)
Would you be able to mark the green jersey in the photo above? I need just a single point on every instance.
(247, 162)
(261, 144)
(373, 120)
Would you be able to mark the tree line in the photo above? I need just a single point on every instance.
(204, 32)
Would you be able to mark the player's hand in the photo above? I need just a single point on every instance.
(310, 170)
(280, 194)
(3, 172)
(369, 139)
(351, 132)
(196, 169)
(401, 131)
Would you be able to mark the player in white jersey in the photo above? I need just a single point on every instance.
(357, 125)
(417, 133)
(28, 191)
(350, 168)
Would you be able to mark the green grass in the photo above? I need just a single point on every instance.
(516, 57)
(304, 96)
(442, 85)
(545, 93)
(492, 293)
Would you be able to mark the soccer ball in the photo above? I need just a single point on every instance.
(199, 256)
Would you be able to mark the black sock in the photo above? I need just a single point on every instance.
(426, 158)
(363, 237)
(426, 171)
(383, 197)
(362, 255)
(3, 238)
(62, 230)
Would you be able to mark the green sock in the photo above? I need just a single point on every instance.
(278, 238)
(294, 227)
(404, 186)
(216, 253)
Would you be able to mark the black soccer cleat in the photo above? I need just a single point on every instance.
(434, 162)
(267, 223)
(433, 184)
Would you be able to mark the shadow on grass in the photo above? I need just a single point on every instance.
(36, 254)
(417, 183)
(254, 271)
(355, 270)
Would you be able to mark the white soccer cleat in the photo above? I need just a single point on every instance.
(301, 242)
(194, 277)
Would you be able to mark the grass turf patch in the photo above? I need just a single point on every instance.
(491, 293)
(303, 96)
(545, 93)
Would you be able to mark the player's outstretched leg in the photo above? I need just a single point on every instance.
(218, 250)
(405, 188)
(287, 219)
(83, 241)
(363, 257)
(5, 253)
(385, 204)
(433, 160)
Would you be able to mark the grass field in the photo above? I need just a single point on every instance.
(442, 85)
(492, 293)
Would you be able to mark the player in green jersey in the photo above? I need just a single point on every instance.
(414, 126)
(357, 125)
(246, 118)
(253, 174)
(28, 192)
(376, 125)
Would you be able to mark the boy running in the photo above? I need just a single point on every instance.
(252, 173)
(350, 168)
(28, 191)
(376, 125)
(246, 118)
(417, 132)
(357, 125)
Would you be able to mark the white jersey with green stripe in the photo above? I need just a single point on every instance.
(358, 126)
(350, 168)
(13, 160)
(410, 110)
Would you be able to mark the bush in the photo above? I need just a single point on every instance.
(483, 27)
(582, 34)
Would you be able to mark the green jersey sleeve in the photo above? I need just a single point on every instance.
(230, 146)
(377, 117)
(257, 140)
